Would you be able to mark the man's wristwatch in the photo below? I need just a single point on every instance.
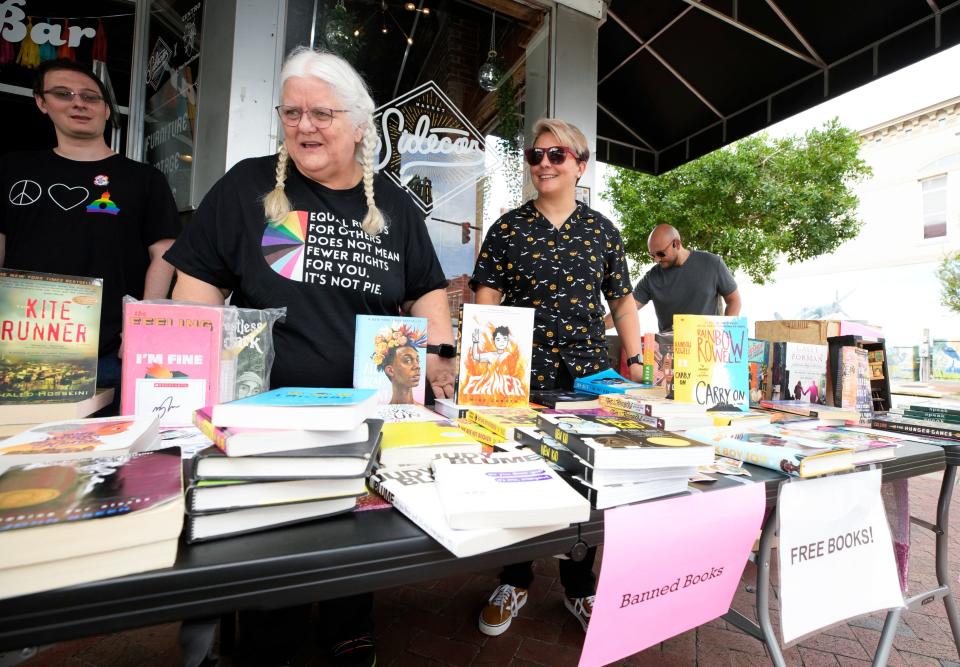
(443, 350)
(635, 359)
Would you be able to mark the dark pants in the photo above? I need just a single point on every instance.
(108, 376)
(279, 631)
(576, 576)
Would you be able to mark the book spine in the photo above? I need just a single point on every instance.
(378, 485)
(933, 410)
(570, 440)
(624, 403)
(488, 423)
(929, 416)
(564, 458)
(213, 433)
(479, 433)
(915, 429)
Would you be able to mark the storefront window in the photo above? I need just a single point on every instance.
(170, 117)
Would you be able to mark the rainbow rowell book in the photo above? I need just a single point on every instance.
(49, 337)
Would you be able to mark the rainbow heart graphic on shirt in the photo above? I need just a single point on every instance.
(282, 245)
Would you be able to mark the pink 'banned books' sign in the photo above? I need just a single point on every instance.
(677, 571)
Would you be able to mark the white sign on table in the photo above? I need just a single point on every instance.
(836, 557)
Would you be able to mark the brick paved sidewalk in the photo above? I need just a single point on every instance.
(434, 623)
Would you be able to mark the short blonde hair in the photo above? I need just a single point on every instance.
(352, 93)
(568, 134)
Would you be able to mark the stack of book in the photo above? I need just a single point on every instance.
(936, 418)
(66, 522)
(495, 426)
(285, 456)
(471, 493)
(669, 415)
(616, 460)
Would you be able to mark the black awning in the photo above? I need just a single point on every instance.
(680, 78)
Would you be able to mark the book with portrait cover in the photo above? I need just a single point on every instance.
(171, 359)
(49, 337)
(710, 361)
(390, 355)
(495, 347)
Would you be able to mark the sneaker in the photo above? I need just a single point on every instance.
(357, 652)
(581, 608)
(503, 605)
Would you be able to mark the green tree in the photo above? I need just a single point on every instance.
(751, 202)
(949, 274)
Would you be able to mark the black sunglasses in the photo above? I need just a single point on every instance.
(556, 155)
(660, 254)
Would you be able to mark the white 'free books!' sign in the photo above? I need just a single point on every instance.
(836, 558)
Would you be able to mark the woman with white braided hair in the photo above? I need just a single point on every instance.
(314, 229)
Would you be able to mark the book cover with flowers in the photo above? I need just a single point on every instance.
(390, 355)
(171, 360)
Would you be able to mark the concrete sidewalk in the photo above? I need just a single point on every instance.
(434, 623)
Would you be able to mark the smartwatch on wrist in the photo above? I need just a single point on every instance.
(443, 350)
(635, 359)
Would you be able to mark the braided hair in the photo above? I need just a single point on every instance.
(353, 95)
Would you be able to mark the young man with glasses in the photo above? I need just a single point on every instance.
(81, 209)
(690, 282)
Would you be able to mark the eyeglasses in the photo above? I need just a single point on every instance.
(319, 116)
(556, 155)
(67, 95)
(660, 254)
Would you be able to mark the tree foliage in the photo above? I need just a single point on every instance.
(751, 202)
(949, 274)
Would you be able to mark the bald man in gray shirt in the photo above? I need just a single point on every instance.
(690, 282)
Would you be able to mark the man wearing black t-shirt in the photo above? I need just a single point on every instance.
(689, 282)
(81, 209)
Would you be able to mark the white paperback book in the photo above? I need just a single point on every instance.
(510, 490)
(413, 492)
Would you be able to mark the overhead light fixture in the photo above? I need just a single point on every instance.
(412, 7)
(490, 71)
(337, 30)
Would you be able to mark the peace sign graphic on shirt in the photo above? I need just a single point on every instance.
(25, 192)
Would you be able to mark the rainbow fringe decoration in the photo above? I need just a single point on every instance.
(29, 55)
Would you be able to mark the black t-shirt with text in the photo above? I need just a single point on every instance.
(95, 219)
(317, 262)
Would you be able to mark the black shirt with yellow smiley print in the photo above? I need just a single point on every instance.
(563, 273)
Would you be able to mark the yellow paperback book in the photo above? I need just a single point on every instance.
(417, 443)
(710, 361)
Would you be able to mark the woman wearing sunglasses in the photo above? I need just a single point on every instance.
(562, 258)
